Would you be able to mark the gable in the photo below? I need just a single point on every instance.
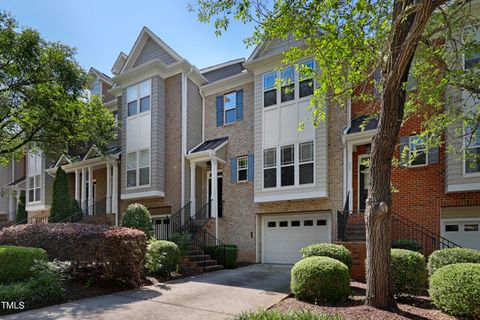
(274, 47)
(152, 50)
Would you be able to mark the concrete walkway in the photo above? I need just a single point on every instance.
(217, 295)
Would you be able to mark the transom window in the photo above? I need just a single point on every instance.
(472, 150)
(242, 168)
(138, 168)
(417, 151)
(34, 188)
(138, 98)
(230, 107)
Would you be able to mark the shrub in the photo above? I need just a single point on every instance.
(111, 252)
(334, 251)
(292, 315)
(16, 262)
(225, 255)
(320, 279)
(407, 244)
(444, 257)
(409, 272)
(183, 242)
(162, 257)
(61, 199)
(137, 216)
(22, 215)
(455, 289)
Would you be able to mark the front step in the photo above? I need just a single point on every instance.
(206, 263)
(213, 268)
(199, 257)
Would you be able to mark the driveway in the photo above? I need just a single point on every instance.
(217, 295)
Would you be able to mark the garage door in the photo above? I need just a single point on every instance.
(284, 236)
(465, 233)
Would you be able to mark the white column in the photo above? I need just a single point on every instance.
(192, 188)
(109, 189)
(90, 190)
(77, 184)
(214, 199)
(115, 192)
(11, 206)
(350, 175)
(84, 189)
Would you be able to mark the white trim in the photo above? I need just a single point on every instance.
(238, 168)
(63, 156)
(222, 65)
(37, 207)
(209, 177)
(463, 187)
(227, 83)
(143, 194)
(116, 66)
(87, 155)
(362, 156)
(290, 196)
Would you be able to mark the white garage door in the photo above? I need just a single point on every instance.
(284, 236)
(464, 232)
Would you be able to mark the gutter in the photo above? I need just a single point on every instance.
(184, 131)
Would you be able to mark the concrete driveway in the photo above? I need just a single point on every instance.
(217, 295)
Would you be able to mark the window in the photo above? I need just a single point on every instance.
(471, 43)
(230, 107)
(470, 227)
(308, 223)
(472, 150)
(288, 84)
(287, 165)
(138, 168)
(451, 227)
(138, 98)
(306, 80)
(242, 168)
(417, 151)
(321, 222)
(34, 174)
(272, 224)
(34, 188)
(295, 223)
(96, 89)
(269, 90)
(270, 168)
(283, 223)
(306, 162)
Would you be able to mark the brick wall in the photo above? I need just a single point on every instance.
(359, 254)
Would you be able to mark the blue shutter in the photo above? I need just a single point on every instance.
(433, 154)
(219, 111)
(404, 144)
(240, 105)
(250, 167)
(233, 170)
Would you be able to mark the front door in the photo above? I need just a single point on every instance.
(219, 194)
(363, 182)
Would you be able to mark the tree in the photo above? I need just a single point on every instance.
(43, 95)
(61, 199)
(351, 40)
(21, 212)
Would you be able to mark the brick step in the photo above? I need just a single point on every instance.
(196, 252)
(209, 262)
(213, 268)
(199, 257)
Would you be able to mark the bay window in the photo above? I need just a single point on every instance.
(138, 168)
(138, 98)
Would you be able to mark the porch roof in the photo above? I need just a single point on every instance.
(16, 182)
(209, 145)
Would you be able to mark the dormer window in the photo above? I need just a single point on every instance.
(138, 98)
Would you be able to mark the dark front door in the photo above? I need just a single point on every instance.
(363, 181)
(219, 195)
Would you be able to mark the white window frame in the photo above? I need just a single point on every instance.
(274, 166)
(139, 97)
(411, 152)
(36, 186)
(234, 93)
(137, 169)
(311, 161)
(292, 164)
(466, 30)
(464, 160)
(245, 168)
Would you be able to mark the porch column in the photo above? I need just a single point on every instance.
(115, 192)
(11, 205)
(90, 190)
(109, 186)
(350, 175)
(214, 204)
(77, 184)
(192, 188)
(84, 189)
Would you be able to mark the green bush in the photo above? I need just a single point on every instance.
(22, 215)
(162, 257)
(225, 255)
(137, 216)
(292, 315)
(455, 289)
(320, 279)
(61, 199)
(409, 272)
(444, 257)
(183, 242)
(334, 251)
(407, 244)
(16, 262)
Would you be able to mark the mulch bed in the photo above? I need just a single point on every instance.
(355, 308)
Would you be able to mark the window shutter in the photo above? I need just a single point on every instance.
(219, 111)
(404, 141)
(233, 170)
(433, 155)
(239, 105)
(250, 167)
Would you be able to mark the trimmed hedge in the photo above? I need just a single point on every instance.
(137, 216)
(409, 272)
(331, 250)
(162, 257)
(444, 257)
(291, 315)
(320, 279)
(217, 253)
(407, 244)
(455, 289)
(113, 253)
(16, 262)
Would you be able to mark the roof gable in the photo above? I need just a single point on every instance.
(119, 63)
(273, 47)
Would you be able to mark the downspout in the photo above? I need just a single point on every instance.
(203, 114)
(184, 132)
(345, 149)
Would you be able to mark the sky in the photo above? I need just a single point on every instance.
(101, 29)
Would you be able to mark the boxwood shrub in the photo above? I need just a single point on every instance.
(137, 216)
(217, 253)
(331, 250)
(455, 289)
(409, 272)
(407, 244)
(163, 257)
(444, 257)
(16, 262)
(320, 279)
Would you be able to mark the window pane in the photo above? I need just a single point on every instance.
(145, 104)
(288, 75)
(288, 92)
(270, 98)
(144, 158)
(283, 223)
(308, 223)
(306, 151)
(321, 222)
(230, 101)
(295, 223)
(470, 227)
(144, 176)
(287, 153)
(145, 88)
(132, 93)
(132, 108)
(270, 158)
(270, 178)
(230, 116)
(242, 162)
(272, 224)
(131, 178)
(288, 176)
(309, 67)
(306, 173)
(306, 88)
(242, 175)
(269, 80)
(420, 158)
(451, 227)
(416, 143)
(132, 160)
(37, 194)
(472, 160)
(31, 197)
(31, 182)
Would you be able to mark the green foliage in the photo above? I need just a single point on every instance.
(61, 199)
(43, 98)
(448, 256)
(334, 251)
(409, 272)
(320, 279)
(162, 257)
(22, 214)
(292, 315)
(183, 242)
(407, 244)
(455, 289)
(137, 216)
(16, 262)
(226, 255)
